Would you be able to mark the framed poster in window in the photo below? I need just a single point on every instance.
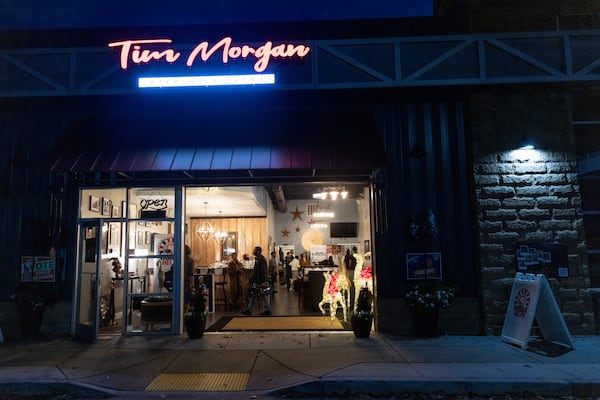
(114, 234)
(94, 204)
(106, 207)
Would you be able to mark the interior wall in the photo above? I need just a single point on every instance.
(250, 232)
(294, 225)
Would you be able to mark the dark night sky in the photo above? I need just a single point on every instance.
(67, 14)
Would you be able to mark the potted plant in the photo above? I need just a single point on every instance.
(362, 319)
(425, 300)
(195, 317)
(32, 300)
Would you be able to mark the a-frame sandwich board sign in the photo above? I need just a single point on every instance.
(531, 297)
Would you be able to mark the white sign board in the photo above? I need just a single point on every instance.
(37, 269)
(318, 253)
(531, 297)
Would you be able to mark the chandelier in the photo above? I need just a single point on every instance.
(220, 235)
(332, 192)
(205, 230)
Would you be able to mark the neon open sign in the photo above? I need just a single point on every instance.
(161, 50)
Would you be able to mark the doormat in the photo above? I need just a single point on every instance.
(295, 323)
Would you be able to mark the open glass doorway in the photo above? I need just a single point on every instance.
(86, 316)
(130, 271)
(320, 228)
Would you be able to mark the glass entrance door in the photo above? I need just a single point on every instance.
(87, 313)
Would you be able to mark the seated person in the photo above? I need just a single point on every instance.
(329, 261)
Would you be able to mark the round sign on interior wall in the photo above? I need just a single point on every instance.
(310, 238)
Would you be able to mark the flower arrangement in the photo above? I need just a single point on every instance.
(195, 316)
(197, 304)
(431, 294)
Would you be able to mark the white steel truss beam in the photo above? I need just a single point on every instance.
(424, 61)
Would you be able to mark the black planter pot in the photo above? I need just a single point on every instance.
(426, 321)
(361, 326)
(195, 327)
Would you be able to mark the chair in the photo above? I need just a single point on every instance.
(222, 283)
(169, 281)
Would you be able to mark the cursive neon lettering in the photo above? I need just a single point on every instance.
(205, 53)
(247, 50)
(263, 53)
(153, 204)
(142, 51)
(235, 52)
(145, 55)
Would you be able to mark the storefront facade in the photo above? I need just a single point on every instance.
(421, 123)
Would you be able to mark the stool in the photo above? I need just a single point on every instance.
(222, 285)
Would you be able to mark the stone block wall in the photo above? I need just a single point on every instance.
(532, 197)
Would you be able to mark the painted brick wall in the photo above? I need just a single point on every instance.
(532, 199)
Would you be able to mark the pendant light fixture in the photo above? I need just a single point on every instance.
(220, 235)
(205, 230)
(332, 192)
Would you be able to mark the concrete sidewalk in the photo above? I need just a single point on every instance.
(318, 364)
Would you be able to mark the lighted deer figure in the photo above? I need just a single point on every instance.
(363, 278)
(332, 295)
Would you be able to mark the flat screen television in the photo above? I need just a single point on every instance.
(343, 229)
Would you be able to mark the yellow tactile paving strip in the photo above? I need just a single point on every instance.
(199, 382)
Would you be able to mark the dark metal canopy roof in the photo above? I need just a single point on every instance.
(310, 143)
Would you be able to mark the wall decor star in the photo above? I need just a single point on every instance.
(285, 233)
(297, 214)
(297, 229)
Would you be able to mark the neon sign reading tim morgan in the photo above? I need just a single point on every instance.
(161, 50)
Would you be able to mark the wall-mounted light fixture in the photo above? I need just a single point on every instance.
(332, 192)
(525, 143)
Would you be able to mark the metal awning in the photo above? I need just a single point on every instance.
(216, 158)
(342, 143)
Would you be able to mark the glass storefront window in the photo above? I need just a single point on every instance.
(136, 233)
(103, 203)
(150, 265)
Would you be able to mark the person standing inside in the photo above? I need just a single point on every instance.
(304, 261)
(350, 263)
(288, 268)
(258, 280)
(273, 269)
(188, 267)
(295, 267)
(236, 290)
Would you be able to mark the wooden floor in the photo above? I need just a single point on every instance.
(284, 303)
